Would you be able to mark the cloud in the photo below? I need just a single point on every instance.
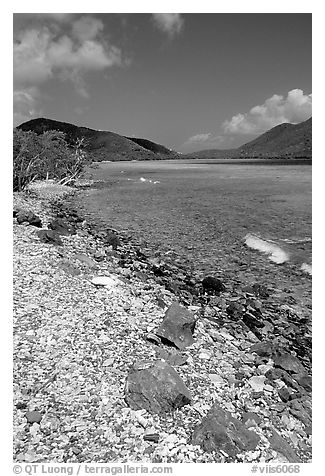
(25, 105)
(40, 55)
(87, 28)
(48, 46)
(294, 108)
(199, 138)
(170, 23)
(204, 141)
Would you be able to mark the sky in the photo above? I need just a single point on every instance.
(188, 81)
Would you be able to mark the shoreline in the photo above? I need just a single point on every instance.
(229, 324)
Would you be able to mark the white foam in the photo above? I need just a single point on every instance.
(142, 179)
(307, 268)
(274, 252)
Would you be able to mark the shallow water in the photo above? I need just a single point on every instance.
(201, 212)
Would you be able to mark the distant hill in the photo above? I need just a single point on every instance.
(149, 145)
(282, 141)
(285, 140)
(102, 145)
(210, 154)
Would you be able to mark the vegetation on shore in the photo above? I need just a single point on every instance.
(46, 156)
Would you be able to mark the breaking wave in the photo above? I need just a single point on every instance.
(274, 252)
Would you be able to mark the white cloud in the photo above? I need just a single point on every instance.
(45, 51)
(87, 28)
(199, 138)
(25, 105)
(170, 23)
(204, 141)
(294, 108)
(40, 55)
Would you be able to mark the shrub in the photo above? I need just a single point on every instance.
(45, 156)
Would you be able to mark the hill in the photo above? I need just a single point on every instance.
(285, 140)
(282, 141)
(149, 145)
(101, 145)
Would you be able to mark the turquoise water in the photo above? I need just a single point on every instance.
(200, 212)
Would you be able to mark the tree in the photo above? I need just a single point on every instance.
(37, 157)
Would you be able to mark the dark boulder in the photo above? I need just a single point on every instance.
(263, 349)
(62, 227)
(288, 362)
(219, 430)
(177, 327)
(112, 240)
(50, 236)
(235, 310)
(212, 285)
(33, 417)
(260, 290)
(304, 381)
(26, 216)
(155, 387)
(285, 394)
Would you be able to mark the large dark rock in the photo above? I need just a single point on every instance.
(219, 430)
(50, 236)
(304, 381)
(301, 409)
(263, 349)
(62, 227)
(27, 216)
(177, 327)
(212, 285)
(235, 310)
(156, 387)
(112, 239)
(33, 417)
(288, 362)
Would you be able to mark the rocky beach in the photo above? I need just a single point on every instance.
(121, 356)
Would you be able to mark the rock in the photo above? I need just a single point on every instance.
(154, 437)
(62, 227)
(285, 394)
(260, 290)
(174, 358)
(280, 445)
(69, 268)
(235, 310)
(177, 327)
(216, 379)
(50, 236)
(105, 281)
(301, 409)
(156, 387)
(160, 302)
(263, 349)
(33, 416)
(257, 383)
(288, 362)
(220, 431)
(151, 337)
(252, 321)
(23, 216)
(251, 419)
(304, 381)
(85, 260)
(212, 285)
(112, 240)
